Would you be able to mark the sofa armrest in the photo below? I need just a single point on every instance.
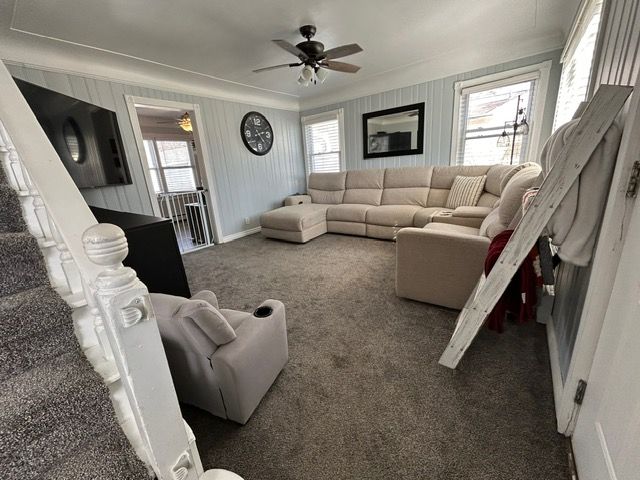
(465, 216)
(472, 212)
(438, 267)
(297, 200)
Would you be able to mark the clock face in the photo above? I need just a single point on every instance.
(257, 133)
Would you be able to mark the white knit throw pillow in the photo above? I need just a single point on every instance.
(465, 191)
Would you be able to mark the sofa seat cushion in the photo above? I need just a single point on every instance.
(392, 215)
(453, 229)
(423, 216)
(348, 212)
(294, 218)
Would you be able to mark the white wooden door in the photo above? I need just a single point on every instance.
(606, 440)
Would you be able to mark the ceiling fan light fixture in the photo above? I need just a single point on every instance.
(307, 73)
(184, 122)
(322, 74)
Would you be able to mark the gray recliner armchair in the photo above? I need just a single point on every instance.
(222, 361)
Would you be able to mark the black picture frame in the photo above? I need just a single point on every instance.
(390, 111)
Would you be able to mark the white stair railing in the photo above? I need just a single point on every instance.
(113, 320)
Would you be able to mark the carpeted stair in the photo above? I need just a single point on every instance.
(56, 418)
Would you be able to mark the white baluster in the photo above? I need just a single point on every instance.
(72, 280)
(36, 215)
(98, 325)
(16, 172)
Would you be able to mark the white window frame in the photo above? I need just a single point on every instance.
(539, 71)
(323, 117)
(154, 138)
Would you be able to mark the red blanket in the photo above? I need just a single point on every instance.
(520, 296)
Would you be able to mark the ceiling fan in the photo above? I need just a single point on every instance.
(183, 121)
(316, 60)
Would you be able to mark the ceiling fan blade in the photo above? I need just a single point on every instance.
(277, 66)
(340, 66)
(343, 51)
(292, 49)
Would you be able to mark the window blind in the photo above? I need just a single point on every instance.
(577, 63)
(170, 165)
(322, 143)
(488, 110)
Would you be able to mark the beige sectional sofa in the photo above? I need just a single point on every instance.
(440, 251)
(378, 203)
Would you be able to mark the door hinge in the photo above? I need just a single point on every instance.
(634, 181)
(582, 386)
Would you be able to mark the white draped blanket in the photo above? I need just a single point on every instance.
(574, 226)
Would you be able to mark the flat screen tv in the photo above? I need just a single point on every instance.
(85, 136)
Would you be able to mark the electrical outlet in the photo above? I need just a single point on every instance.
(247, 220)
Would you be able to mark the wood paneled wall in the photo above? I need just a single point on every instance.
(438, 98)
(619, 44)
(246, 185)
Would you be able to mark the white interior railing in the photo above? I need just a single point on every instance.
(189, 217)
(114, 322)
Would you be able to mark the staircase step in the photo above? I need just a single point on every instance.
(32, 311)
(35, 325)
(105, 458)
(51, 411)
(11, 212)
(21, 263)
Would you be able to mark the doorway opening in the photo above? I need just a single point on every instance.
(176, 169)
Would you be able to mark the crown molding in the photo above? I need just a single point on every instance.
(43, 53)
(450, 63)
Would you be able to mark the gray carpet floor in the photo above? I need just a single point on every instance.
(363, 396)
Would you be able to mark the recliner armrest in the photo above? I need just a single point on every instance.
(297, 200)
(472, 212)
(247, 367)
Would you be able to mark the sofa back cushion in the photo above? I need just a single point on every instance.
(511, 199)
(190, 324)
(495, 175)
(327, 188)
(364, 186)
(442, 180)
(407, 186)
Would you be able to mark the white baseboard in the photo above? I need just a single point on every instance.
(236, 236)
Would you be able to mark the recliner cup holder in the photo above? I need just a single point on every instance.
(263, 312)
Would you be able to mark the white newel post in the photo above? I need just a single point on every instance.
(132, 330)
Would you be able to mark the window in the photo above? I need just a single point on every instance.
(486, 109)
(171, 165)
(577, 62)
(323, 142)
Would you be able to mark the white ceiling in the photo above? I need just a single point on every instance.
(216, 44)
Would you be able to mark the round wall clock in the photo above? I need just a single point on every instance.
(257, 133)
